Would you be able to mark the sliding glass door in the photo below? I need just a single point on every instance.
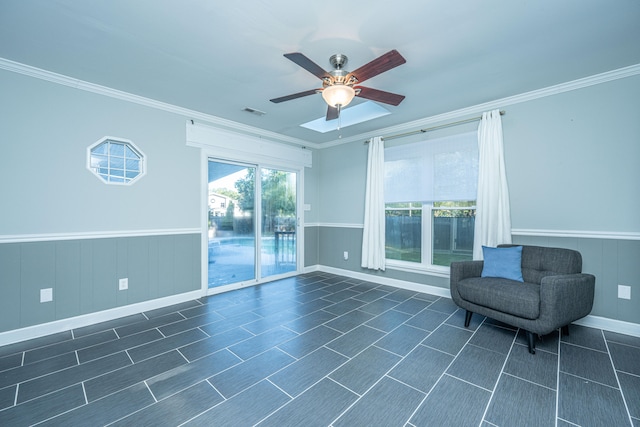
(278, 254)
(248, 240)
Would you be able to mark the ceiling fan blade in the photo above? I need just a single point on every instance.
(308, 65)
(294, 96)
(332, 113)
(379, 65)
(379, 95)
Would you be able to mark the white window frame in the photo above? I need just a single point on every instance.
(117, 180)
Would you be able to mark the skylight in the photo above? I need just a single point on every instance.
(368, 110)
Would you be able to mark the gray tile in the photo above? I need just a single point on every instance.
(493, 338)
(388, 403)
(541, 368)
(35, 343)
(587, 403)
(159, 312)
(7, 396)
(241, 376)
(355, 341)
(341, 295)
(379, 306)
(444, 305)
(478, 366)
(519, 402)
(448, 339)
(585, 337)
(402, 340)
(11, 361)
(344, 306)
(413, 306)
(106, 410)
(227, 324)
(309, 341)
(270, 322)
(313, 295)
(153, 323)
(630, 385)
(364, 370)
(625, 358)
(34, 370)
(262, 399)
(457, 319)
(116, 346)
(421, 368)
(68, 346)
(302, 374)
(44, 407)
(310, 321)
(428, 320)
(116, 380)
(586, 363)
(215, 343)
(263, 342)
(73, 375)
(166, 344)
(371, 295)
(452, 403)
(400, 295)
(349, 321)
(622, 339)
(389, 320)
(189, 323)
(172, 381)
(176, 409)
(317, 406)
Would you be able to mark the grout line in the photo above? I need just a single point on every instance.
(615, 372)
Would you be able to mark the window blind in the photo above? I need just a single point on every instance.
(443, 169)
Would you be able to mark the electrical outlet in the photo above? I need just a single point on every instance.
(346, 255)
(624, 292)
(46, 295)
(123, 284)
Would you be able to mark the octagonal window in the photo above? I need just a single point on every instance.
(116, 161)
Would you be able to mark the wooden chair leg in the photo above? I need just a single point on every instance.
(467, 318)
(531, 341)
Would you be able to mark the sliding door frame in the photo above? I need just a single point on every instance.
(259, 163)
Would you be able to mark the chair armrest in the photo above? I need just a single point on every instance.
(461, 270)
(567, 297)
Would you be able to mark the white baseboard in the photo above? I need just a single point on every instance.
(62, 325)
(604, 323)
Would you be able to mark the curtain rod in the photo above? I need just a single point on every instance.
(460, 122)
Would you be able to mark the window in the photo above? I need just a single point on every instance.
(430, 222)
(116, 161)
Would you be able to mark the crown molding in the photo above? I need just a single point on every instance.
(27, 70)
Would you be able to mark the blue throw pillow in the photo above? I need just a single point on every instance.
(503, 262)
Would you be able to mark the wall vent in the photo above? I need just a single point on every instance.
(254, 111)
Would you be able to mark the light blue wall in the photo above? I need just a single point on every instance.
(572, 166)
(45, 186)
(572, 159)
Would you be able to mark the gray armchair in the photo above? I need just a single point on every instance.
(554, 293)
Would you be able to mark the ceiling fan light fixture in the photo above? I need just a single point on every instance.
(338, 95)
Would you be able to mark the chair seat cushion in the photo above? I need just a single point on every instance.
(520, 299)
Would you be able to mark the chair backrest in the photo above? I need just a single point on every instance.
(539, 262)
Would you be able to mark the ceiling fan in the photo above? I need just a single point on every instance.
(340, 86)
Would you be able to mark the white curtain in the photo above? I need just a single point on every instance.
(493, 215)
(373, 251)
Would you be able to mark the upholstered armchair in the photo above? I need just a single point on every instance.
(551, 293)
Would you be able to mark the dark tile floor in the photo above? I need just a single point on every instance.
(318, 350)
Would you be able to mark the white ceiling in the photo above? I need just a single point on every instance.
(218, 57)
